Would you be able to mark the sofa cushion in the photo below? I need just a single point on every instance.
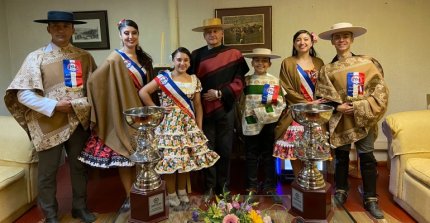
(407, 132)
(9, 175)
(419, 169)
(15, 143)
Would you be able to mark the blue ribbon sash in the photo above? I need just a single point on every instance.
(136, 73)
(307, 87)
(169, 87)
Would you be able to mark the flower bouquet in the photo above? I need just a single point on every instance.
(234, 211)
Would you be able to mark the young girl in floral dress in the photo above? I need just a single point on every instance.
(179, 136)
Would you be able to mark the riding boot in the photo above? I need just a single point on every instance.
(369, 175)
(341, 175)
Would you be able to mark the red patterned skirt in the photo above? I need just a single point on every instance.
(97, 154)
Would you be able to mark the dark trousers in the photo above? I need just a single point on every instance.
(49, 161)
(259, 150)
(220, 134)
(368, 163)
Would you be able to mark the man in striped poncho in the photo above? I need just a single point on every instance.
(221, 70)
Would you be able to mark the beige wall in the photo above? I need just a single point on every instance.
(397, 35)
(4, 56)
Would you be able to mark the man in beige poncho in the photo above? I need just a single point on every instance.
(47, 97)
(356, 87)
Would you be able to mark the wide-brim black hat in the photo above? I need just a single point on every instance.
(60, 16)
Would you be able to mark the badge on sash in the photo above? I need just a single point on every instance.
(270, 93)
(355, 84)
(72, 73)
(127, 64)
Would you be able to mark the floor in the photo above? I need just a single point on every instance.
(105, 193)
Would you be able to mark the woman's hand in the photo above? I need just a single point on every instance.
(168, 109)
(346, 108)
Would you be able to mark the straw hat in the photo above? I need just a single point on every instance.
(343, 27)
(261, 52)
(212, 23)
(60, 16)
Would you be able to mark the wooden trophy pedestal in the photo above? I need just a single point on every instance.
(312, 205)
(148, 206)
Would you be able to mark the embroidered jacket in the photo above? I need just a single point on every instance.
(264, 102)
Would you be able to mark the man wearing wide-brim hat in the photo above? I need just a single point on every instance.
(221, 70)
(263, 105)
(356, 88)
(47, 97)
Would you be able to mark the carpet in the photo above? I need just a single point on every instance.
(101, 218)
(281, 216)
(277, 216)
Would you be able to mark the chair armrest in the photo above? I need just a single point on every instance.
(409, 132)
(15, 144)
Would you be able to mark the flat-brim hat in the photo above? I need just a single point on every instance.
(60, 16)
(261, 52)
(212, 23)
(343, 27)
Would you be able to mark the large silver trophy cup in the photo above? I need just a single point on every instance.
(147, 198)
(311, 197)
(312, 146)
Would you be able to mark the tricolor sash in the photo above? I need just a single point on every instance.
(72, 73)
(136, 73)
(355, 84)
(307, 87)
(172, 90)
(269, 93)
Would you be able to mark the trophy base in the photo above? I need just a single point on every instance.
(148, 206)
(312, 205)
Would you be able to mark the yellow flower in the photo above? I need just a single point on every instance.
(255, 217)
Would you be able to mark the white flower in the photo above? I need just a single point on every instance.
(267, 219)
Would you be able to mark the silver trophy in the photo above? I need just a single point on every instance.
(144, 120)
(313, 145)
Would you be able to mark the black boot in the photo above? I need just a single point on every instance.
(341, 175)
(369, 174)
(84, 215)
(49, 210)
(371, 205)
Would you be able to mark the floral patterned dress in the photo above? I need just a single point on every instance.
(284, 147)
(183, 144)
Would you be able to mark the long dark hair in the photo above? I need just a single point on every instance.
(312, 51)
(142, 57)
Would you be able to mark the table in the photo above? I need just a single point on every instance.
(278, 212)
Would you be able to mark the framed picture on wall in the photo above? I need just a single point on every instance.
(252, 27)
(94, 35)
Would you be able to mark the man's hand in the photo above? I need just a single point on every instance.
(210, 95)
(346, 108)
(64, 105)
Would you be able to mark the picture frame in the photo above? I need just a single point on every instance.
(94, 35)
(252, 27)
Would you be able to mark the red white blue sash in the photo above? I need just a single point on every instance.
(72, 70)
(172, 90)
(307, 87)
(270, 93)
(136, 73)
(355, 84)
